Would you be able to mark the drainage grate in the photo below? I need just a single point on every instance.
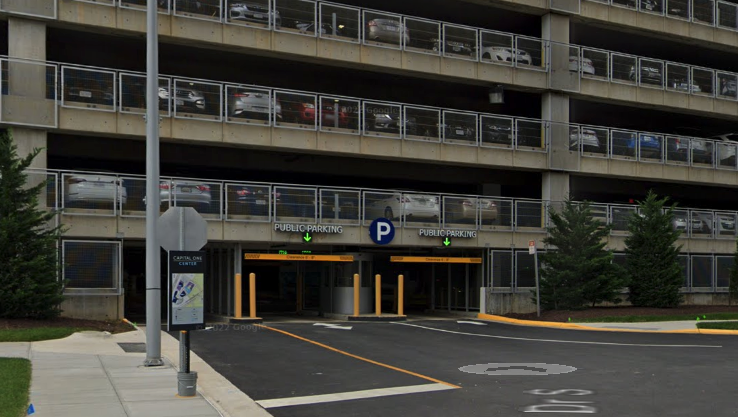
(133, 347)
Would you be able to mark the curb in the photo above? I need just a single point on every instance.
(557, 325)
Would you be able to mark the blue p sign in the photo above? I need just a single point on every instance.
(382, 231)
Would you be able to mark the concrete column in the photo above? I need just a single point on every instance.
(26, 38)
(556, 188)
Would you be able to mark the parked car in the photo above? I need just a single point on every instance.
(586, 65)
(303, 112)
(391, 122)
(90, 189)
(682, 85)
(461, 131)
(93, 92)
(454, 47)
(250, 200)
(387, 30)
(725, 224)
(728, 87)
(325, 28)
(505, 54)
(650, 74)
(184, 193)
(584, 136)
(252, 12)
(624, 143)
(497, 133)
(251, 104)
(185, 99)
(465, 210)
(410, 206)
(700, 149)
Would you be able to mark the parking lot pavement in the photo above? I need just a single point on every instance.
(522, 370)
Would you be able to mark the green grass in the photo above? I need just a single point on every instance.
(14, 385)
(35, 334)
(731, 325)
(674, 317)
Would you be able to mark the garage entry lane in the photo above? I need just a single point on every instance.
(619, 379)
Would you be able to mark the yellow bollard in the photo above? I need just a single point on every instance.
(378, 294)
(252, 295)
(357, 284)
(400, 295)
(238, 297)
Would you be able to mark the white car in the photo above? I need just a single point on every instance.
(586, 65)
(587, 138)
(726, 153)
(681, 85)
(89, 189)
(393, 206)
(504, 54)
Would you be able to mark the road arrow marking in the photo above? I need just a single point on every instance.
(471, 322)
(307, 237)
(333, 326)
(446, 242)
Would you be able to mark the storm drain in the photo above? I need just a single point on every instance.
(133, 347)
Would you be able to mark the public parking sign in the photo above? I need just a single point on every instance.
(382, 231)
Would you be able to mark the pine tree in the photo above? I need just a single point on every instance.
(29, 275)
(577, 270)
(652, 255)
(733, 283)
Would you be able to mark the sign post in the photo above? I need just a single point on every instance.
(186, 280)
(532, 250)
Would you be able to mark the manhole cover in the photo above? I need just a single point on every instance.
(133, 347)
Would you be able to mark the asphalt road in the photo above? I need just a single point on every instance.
(605, 373)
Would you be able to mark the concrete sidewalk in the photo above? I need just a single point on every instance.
(89, 373)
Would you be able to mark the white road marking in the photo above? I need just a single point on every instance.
(333, 326)
(352, 395)
(478, 323)
(554, 340)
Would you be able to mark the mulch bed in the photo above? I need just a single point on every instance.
(102, 326)
(564, 315)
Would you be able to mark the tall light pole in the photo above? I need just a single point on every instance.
(153, 268)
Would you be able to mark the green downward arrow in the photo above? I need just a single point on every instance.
(446, 242)
(307, 237)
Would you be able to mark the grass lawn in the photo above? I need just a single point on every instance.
(731, 325)
(35, 334)
(14, 386)
(675, 317)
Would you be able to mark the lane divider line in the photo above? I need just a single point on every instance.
(579, 342)
(352, 395)
(384, 365)
(557, 325)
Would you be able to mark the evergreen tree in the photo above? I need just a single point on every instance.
(29, 272)
(652, 255)
(733, 284)
(577, 270)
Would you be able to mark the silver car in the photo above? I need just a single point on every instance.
(396, 205)
(587, 138)
(387, 30)
(252, 12)
(251, 105)
(185, 99)
(505, 54)
(93, 189)
(185, 193)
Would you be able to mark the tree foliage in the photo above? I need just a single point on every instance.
(577, 269)
(29, 270)
(652, 255)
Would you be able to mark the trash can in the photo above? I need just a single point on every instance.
(187, 384)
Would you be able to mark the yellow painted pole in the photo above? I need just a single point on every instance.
(356, 294)
(400, 295)
(378, 294)
(238, 296)
(252, 295)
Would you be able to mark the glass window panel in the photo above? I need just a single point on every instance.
(630, 4)
(379, 204)
(525, 274)
(202, 196)
(502, 270)
(530, 215)
(195, 99)
(677, 8)
(249, 202)
(680, 222)
(725, 224)
(727, 13)
(497, 217)
(294, 204)
(497, 47)
(702, 272)
(88, 88)
(623, 144)
(726, 154)
(420, 210)
(530, 133)
(298, 16)
(703, 81)
(702, 223)
(135, 204)
(677, 77)
(459, 42)
(297, 110)
(651, 6)
(384, 29)
(425, 35)
(339, 114)
(462, 212)
(529, 51)
(497, 131)
(727, 85)
(248, 105)
(723, 264)
(93, 193)
(382, 119)
(702, 151)
(133, 94)
(422, 123)
(620, 216)
(704, 11)
(677, 149)
(594, 63)
(650, 72)
(198, 9)
(623, 67)
(339, 206)
(459, 128)
(649, 147)
(338, 22)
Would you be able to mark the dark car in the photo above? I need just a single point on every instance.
(453, 47)
(93, 92)
(650, 74)
(390, 123)
(250, 200)
(494, 133)
(460, 131)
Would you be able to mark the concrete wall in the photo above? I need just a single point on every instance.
(93, 307)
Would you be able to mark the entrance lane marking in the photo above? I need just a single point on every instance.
(554, 340)
(384, 365)
(478, 323)
(333, 326)
(352, 395)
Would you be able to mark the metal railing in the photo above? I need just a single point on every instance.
(718, 14)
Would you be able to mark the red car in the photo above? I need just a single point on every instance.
(304, 113)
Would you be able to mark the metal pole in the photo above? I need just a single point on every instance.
(184, 351)
(538, 287)
(153, 268)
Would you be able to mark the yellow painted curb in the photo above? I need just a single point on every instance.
(557, 325)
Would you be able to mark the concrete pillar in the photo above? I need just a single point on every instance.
(556, 188)
(26, 38)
